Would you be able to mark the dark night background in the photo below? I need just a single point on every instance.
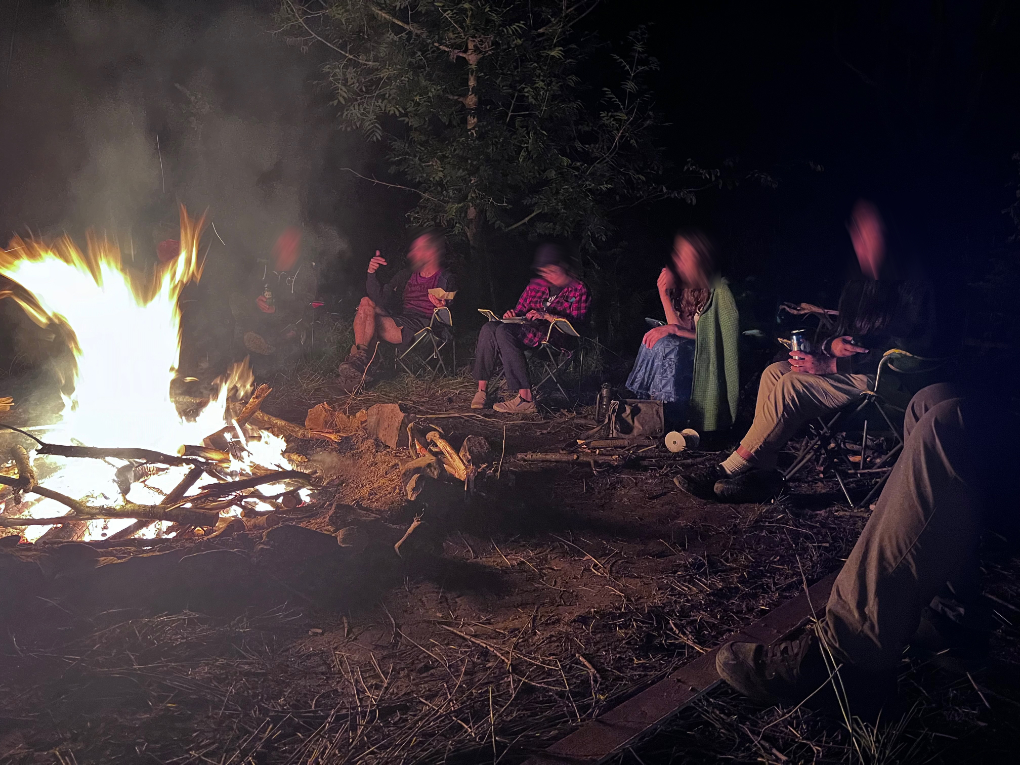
(911, 103)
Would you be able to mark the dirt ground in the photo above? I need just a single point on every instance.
(521, 612)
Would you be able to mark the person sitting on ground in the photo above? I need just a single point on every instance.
(701, 323)
(268, 314)
(396, 311)
(913, 575)
(555, 293)
(876, 314)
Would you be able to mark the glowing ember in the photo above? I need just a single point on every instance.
(126, 330)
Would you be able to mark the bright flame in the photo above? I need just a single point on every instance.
(126, 341)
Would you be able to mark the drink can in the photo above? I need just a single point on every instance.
(799, 341)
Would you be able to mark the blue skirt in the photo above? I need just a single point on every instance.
(665, 372)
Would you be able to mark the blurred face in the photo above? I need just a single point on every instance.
(555, 275)
(287, 250)
(868, 237)
(687, 263)
(423, 253)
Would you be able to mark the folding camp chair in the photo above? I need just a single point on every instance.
(429, 346)
(553, 358)
(550, 357)
(832, 446)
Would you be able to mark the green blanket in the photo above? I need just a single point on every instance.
(716, 386)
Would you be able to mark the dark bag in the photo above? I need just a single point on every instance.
(632, 418)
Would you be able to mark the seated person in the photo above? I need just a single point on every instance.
(269, 312)
(554, 293)
(875, 315)
(396, 311)
(913, 576)
(702, 321)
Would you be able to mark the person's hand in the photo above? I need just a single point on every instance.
(264, 305)
(511, 314)
(655, 334)
(844, 348)
(666, 281)
(437, 302)
(537, 316)
(376, 262)
(812, 363)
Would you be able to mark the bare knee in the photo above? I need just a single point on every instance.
(366, 305)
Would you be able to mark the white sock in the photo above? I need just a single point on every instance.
(735, 465)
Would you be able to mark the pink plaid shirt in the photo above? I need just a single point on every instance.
(571, 303)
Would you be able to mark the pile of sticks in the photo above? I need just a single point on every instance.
(200, 510)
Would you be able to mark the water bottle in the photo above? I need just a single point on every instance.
(602, 403)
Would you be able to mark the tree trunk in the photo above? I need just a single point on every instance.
(480, 258)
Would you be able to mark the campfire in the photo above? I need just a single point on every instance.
(120, 460)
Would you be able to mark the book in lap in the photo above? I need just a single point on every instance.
(493, 317)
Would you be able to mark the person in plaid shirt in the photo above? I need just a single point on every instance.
(555, 293)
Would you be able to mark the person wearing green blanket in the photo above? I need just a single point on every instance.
(690, 362)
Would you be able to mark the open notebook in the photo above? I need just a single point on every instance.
(493, 317)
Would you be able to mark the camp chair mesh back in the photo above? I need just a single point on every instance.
(431, 346)
(553, 358)
(832, 446)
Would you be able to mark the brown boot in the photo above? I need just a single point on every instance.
(354, 371)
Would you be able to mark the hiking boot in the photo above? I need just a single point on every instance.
(516, 405)
(791, 671)
(478, 402)
(700, 482)
(257, 344)
(354, 370)
(755, 485)
(787, 671)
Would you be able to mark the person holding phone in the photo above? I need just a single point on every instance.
(396, 311)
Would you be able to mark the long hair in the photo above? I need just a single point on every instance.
(867, 308)
(688, 300)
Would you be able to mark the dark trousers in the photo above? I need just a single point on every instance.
(499, 341)
(921, 543)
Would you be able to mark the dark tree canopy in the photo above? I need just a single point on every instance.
(486, 114)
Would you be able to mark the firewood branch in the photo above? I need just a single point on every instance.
(82, 512)
(101, 453)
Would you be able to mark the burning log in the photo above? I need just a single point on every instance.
(83, 513)
(285, 429)
(218, 440)
(100, 453)
(170, 500)
(230, 487)
(205, 453)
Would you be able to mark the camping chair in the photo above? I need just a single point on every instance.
(427, 348)
(551, 357)
(831, 443)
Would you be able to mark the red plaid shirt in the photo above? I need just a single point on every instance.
(571, 303)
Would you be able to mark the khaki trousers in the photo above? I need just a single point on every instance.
(787, 400)
(921, 542)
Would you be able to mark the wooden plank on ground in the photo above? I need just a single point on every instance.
(597, 740)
